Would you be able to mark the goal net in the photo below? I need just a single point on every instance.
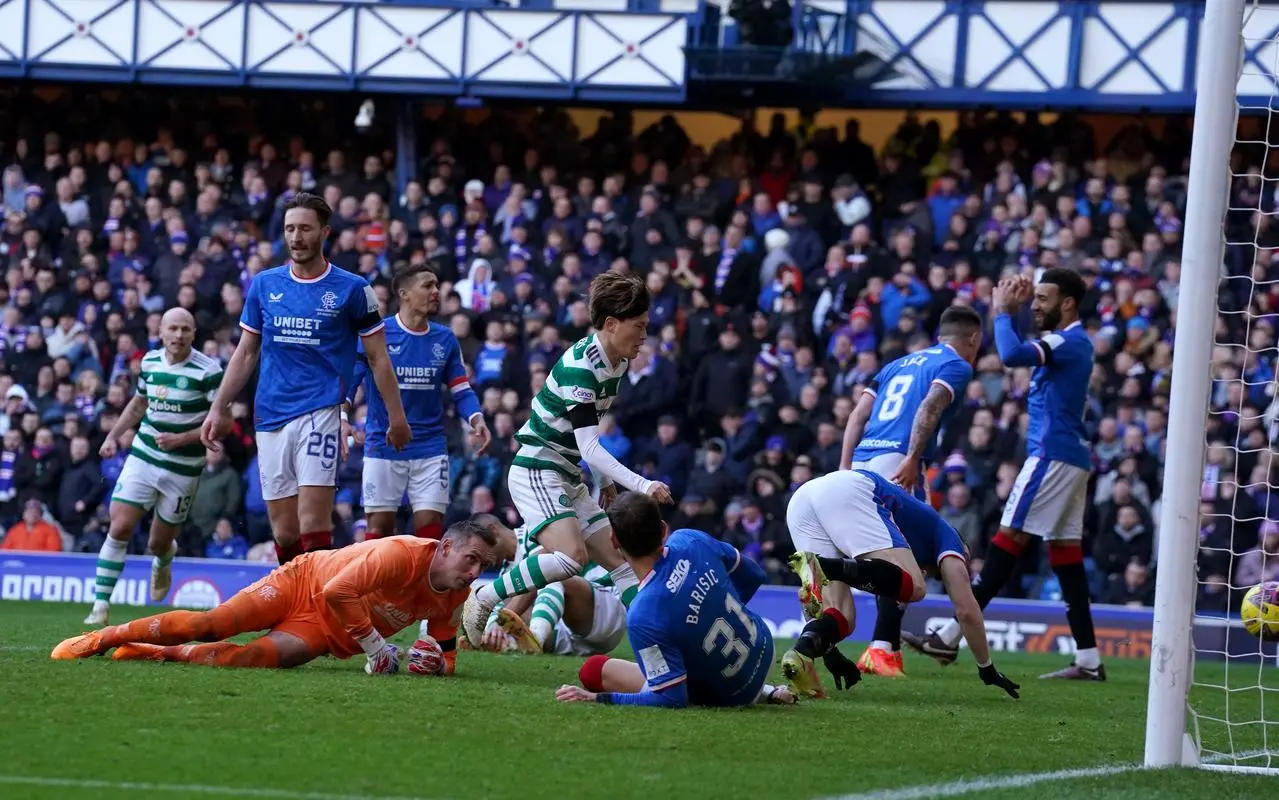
(1214, 690)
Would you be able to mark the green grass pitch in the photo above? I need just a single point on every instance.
(329, 731)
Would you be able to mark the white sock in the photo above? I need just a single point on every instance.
(880, 644)
(951, 633)
(1088, 658)
(625, 582)
(421, 630)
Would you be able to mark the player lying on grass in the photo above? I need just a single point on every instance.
(855, 528)
(336, 602)
(580, 616)
(696, 642)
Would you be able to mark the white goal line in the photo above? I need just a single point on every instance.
(1022, 780)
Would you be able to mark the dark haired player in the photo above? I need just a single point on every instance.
(696, 642)
(427, 360)
(1051, 493)
(894, 430)
(545, 480)
(302, 322)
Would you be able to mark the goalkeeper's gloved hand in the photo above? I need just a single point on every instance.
(844, 671)
(383, 657)
(993, 677)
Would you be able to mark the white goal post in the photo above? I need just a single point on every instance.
(1235, 703)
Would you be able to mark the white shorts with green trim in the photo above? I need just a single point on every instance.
(543, 496)
(607, 629)
(147, 486)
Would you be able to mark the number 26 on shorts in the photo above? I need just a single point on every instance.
(322, 445)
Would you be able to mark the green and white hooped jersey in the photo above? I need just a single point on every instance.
(582, 375)
(179, 397)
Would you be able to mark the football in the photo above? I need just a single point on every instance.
(426, 657)
(1260, 611)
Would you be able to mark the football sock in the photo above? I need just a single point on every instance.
(591, 674)
(888, 624)
(1068, 564)
(1001, 560)
(625, 582)
(165, 558)
(261, 653)
(284, 553)
(317, 540)
(433, 531)
(548, 608)
(532, 573)
(872, 575)
(823, 633)
(110, 565)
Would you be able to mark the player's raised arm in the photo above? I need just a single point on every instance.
(379, 568)
(857, 425)
(1007, 298)
(954, 575)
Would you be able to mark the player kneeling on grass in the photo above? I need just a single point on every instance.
(696, 642)
(335, 602)
(855, 528)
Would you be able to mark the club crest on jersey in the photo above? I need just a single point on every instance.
(329, 300)
(438, 351)
(182, 383)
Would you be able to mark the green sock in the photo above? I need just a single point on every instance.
(532, 573)
(548, 608)
(110, 565)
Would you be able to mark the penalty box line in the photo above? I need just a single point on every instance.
(175, 788)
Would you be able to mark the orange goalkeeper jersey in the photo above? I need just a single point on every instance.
(382, 584)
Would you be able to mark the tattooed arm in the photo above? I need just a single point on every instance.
(922, 431)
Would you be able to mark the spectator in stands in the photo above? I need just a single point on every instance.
(33, 531)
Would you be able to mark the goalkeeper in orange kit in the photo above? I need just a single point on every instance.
(339, 602)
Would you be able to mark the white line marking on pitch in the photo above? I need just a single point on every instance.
(960, 787)
(172, 788)
(956, 788)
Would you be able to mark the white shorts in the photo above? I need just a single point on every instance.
(425, 479)
(544, 496)
(1048, 500)
(886, 464)
(607, 629)
(837, 516)
(302, 453)
(148, 486)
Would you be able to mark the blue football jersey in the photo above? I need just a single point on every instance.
(899, 390)
(688, 623)
(427, 363)
(309, 331)
(930, 537)
(1063, 363)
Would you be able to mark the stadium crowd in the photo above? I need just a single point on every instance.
(786, 266)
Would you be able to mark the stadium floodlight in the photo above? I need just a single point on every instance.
(1212, 712)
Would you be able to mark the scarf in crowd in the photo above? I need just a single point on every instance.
(86, 406)
(549, 254)
(724, 267)
(462, 246)
(7, 490)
